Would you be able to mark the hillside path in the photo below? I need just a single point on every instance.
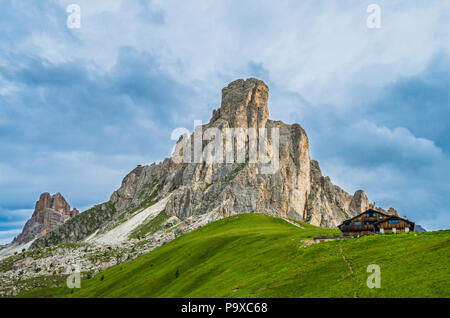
(293, 223)
(350, 268)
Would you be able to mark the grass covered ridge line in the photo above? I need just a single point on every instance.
(254, 255)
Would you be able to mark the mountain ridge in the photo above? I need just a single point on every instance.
(200, 191)
(155, 204)
(254, 255)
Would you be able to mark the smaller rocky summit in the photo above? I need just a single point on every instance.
(50, 212)
(195, 192)
(419, 229)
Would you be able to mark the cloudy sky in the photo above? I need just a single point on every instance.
(79, 108)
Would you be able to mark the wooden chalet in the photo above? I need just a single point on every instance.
(372, 222)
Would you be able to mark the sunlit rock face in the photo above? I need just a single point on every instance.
(296, 190)
(273, 175)
(50, 212)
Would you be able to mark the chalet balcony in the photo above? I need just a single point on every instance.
(355, 228)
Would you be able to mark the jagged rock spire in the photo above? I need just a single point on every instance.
(360, 202)
(199, 192)
(50, 212)
(244, 104)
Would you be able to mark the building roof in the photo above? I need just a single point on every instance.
(387, 218)
(393, 217)
(367, 211)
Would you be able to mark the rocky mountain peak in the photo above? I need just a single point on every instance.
(50, 212)
(392, 211)
(297, 190)
(55, 202)
(360, 202)
(43, 203)
(60, 204)
(196, 192)
(244, 104)
(74, 212)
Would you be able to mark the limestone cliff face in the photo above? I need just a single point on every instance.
(200, 191)
(224, 189)
(328, 205)
(297, 190)
(49, 213)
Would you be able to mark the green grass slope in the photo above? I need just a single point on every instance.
(254, 255)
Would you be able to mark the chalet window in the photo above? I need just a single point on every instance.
(393, 221)
(374, 214)
(367, 222)
(357, 223)
(368, 214)
(349, 223)
(381, 217)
